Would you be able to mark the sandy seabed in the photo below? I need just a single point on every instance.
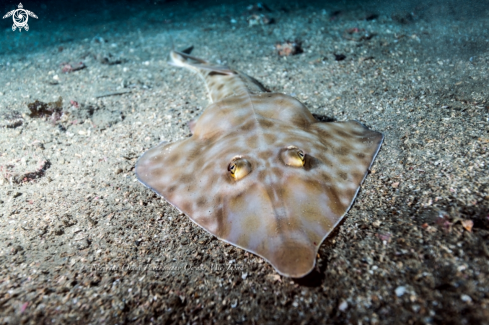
(81, 241)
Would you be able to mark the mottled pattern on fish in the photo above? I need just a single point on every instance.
(259, 171)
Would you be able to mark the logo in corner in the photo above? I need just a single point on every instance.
(20, 17)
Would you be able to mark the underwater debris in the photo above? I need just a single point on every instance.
(112, 93)
(289, 48)
(68, 67)
(11, 120)
(318, 60)
(42, 165)
(339, 57)
(467, 224)
(74, 103)
(443, 221)
(8, 174)
(97, 39)
(256, 15)
(365, 58)
(357, 34)
(53, 81)
(103, 56)
(52, 110)
(384, 237)
(107, 59)
(259, 19)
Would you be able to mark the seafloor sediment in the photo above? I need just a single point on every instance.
(82, 241)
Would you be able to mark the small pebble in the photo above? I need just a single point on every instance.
(466, 298)
(400, 291)
(343, 306)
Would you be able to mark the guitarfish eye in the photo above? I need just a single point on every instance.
(239, 168)
(293, 156)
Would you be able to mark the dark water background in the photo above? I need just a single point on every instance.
(61, 22)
